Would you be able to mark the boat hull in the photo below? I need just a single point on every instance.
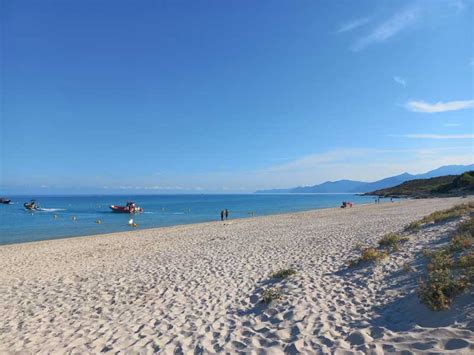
(120, 209)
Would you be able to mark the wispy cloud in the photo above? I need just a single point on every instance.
(350, 26)
(400, 80)
(391, 27)
(335, 164)
(425, 107)
(452, 124)
(365, 164)
(438, 136)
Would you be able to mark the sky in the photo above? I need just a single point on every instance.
(231, 96)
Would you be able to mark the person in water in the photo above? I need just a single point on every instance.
(226, 213)
(222, 215)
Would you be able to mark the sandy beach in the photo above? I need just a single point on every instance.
(197, 288)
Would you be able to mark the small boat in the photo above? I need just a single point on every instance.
(32, 205)
(131, 207)
(5, 201)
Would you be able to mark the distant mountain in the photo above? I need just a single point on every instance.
(387, 182)
(331, 186)
(430, 187)
(446, 170)
(352, 186)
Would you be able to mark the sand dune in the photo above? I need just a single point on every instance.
(197, 288)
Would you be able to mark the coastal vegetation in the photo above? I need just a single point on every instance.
(388, 243)
(392, 241)
(368, 255)
(440, 216)
(414, 226)
(275, 293)
(447, 185)
(271, 294)
(450, 269)
(283, 273)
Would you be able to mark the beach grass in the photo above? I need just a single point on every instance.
(271, 294)
(414, 226)
(283, 273)
(392, 241)
(440, 289)
(448, 214)
(369, 255)
(450, 268)
(441, 216)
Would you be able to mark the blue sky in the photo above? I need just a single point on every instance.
(231, 96)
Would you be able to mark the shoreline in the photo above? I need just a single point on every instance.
(138, 229)
(197, 288)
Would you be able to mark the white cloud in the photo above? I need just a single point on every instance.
(388, 29)
(439, 136)
(400, 80)
(357, 164)
(350, 26)
(365, 164)
(422, 106)
(452, 124)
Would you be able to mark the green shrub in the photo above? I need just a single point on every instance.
(271, 294)
(372, 254)
(446, 215)
(392, 241)
(461, 242)
(446, 278)
(466, 261)
(439, 290)
(467, 227)
(440, 259)
(369, 255)
(282, 274)
(414, 226)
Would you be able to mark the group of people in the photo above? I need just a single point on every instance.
(224, 214)
(346, 204)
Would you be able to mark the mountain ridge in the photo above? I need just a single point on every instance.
(354, 186)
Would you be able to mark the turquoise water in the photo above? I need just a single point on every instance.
(56, 221)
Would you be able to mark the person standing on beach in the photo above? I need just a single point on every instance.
(222, 215)
(226, 213)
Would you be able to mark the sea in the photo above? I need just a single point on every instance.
(71, 216)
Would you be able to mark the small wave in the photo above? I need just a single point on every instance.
(50, 209)
(148, 212)
(178, 213)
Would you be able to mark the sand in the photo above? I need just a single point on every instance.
(197, 288)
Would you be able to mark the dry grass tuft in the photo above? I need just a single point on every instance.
(271, 294)
(441, 216)
(369, 255)
(439, 290)
(282, 274)
(414, 226)
(466, 261)
(449, 214)
(392, 241)
(448, 278)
